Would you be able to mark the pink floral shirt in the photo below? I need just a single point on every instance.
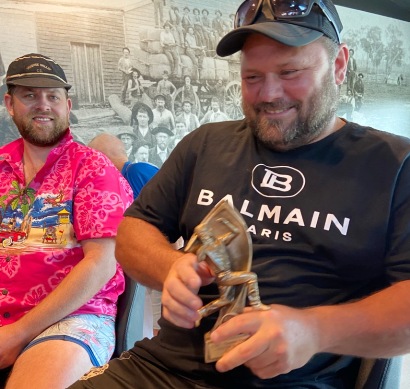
(77, 195)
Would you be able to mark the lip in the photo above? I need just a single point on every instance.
(43, 119)
(277, 113)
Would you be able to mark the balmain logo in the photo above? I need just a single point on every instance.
(277, 181)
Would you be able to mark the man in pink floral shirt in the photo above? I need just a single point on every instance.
(60, 205)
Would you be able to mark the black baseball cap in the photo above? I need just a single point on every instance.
(37, 71)
(298, 31)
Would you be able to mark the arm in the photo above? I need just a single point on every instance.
(74, 291)
(139, 254)
(121, 65)
(283, 338)
(150, 259)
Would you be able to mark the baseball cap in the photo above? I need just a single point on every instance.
(37, 71)
(292, 27)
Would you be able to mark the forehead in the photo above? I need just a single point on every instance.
(24, 89)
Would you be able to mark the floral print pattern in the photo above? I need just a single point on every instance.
(77, 195)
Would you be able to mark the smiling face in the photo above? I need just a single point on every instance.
(40, 114)
(290, 94)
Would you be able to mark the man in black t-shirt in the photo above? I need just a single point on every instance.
(327, 205)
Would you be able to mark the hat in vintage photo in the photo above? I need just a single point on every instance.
(37, 71)
(321, 20)
(137, 107)
(162, 129)
(124, 130)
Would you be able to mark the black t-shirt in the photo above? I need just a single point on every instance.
(328, 221)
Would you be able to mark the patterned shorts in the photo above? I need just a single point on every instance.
(95, 333)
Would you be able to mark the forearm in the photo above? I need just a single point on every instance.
(78, 287)
(377, 326)
(144, 252)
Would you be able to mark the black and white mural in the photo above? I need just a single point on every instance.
(136, 65)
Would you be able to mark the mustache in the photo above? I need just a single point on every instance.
(274, 106)
(46, 114)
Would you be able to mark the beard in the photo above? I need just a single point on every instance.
(40, 135)
(308, 125)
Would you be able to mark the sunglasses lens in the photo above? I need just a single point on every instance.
(246, 12)
(283, 8)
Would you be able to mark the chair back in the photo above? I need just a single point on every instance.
(130, 316)
(379, 374)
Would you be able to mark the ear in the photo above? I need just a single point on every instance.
(69, 104)
(341, 64)
(8, 102)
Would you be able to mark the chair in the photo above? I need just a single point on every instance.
(130, 316)
(379, 374)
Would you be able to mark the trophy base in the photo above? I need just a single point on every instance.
(213, 351)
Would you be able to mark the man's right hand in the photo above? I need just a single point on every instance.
(180, 299)
(12, 342)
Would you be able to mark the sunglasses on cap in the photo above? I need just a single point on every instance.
(282, 9)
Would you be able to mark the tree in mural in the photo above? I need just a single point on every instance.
(373, 46)
(394, 52)
(18, 196)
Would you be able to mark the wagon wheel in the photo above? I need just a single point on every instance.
(233, 100)
(177, 97)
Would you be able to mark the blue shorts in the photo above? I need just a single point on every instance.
(95, 333)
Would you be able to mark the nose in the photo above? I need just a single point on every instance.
(42, 102)
(271, 88)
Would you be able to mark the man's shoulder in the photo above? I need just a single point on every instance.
(142, 167)
(230, 129)
(395, 144)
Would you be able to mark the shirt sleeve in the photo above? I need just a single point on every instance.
(102, 195)
(398, 255)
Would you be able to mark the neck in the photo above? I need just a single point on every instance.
(34, 158)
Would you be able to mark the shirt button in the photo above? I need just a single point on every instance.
(8, 259)
(4, 292)
(6, 315)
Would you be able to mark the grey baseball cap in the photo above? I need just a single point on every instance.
(298, 31)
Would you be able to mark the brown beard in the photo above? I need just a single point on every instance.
(32, 135)
(305, 128)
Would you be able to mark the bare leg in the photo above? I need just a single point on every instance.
(51, 364)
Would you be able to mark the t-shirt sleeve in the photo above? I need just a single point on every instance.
(138, 174)
(398, 255)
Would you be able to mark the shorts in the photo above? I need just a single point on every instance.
(129, 371)
(95, 333)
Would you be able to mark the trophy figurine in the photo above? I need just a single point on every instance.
(222, 241)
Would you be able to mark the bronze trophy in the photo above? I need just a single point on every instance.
(223, 242)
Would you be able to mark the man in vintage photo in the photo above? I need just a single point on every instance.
(125, 67)
(326, 203)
